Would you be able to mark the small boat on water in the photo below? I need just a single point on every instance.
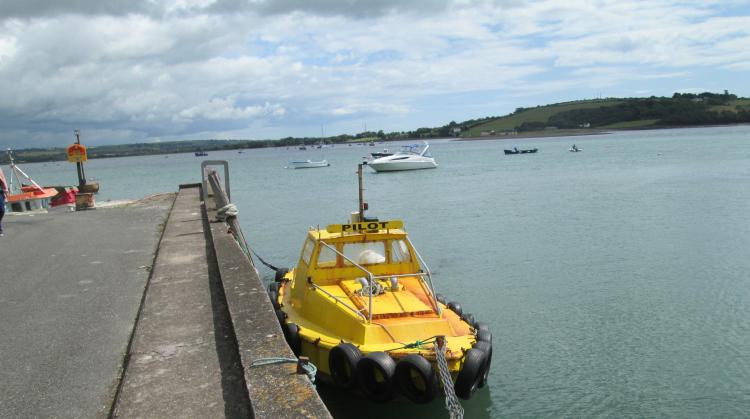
(517, 151)
(200, 154)
(411, 157)
(308, 164)
(379, 154)
(361, 305)
(574, 149)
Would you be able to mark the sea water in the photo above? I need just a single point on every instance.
(615, 281)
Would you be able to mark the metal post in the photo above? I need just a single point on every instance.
(79, 165)
(361, 194)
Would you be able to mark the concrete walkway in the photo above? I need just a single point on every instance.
(183, 360)
(70, 288)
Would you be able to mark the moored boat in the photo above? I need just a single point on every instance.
(308, 164)
(379, 154)
(411, 157)
(29, 196)
(522, 151)
(361, 305)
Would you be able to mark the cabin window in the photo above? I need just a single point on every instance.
(400, 252)
(368, 253)
(307, 250)
(326, 257)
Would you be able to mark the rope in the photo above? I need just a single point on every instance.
(228, 210)
(231, 210)
(310, 369)
(263, 261)
(452, 404)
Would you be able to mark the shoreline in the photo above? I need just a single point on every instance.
(584, 132)
(541, 134)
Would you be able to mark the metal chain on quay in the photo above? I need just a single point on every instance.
(452, 404)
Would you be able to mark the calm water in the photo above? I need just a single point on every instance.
(615, 281)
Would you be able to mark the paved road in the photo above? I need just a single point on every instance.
(70, 288)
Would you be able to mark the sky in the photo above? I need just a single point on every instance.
(125, 71)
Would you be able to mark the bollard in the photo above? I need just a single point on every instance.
(84, 201)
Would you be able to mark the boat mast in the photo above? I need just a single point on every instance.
(12, 171)
(362, 203)
(18, 173)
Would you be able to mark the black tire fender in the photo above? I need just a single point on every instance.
(281, 317)
(455, 307)
(485, 336)
(291, 333)
(487, 348)
(273, 295)
(342, 363)
(470, 375)
(413, 367)
(482, 326)
(441, 299)
(279, 276)
(468, 318)
(378, 389)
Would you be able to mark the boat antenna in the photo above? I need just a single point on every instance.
(362, 203)
(12, 170)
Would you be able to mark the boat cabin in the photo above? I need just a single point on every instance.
(369, 267)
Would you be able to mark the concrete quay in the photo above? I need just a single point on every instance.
(70, 288)
(158, 314)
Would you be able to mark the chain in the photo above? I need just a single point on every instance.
(454, 407)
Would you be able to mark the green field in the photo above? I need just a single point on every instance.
(538, 114)
(641, 123)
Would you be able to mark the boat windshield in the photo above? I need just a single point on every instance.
(400, 252)
(367, 253)
(418, 149)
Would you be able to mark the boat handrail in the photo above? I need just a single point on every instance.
(358, 312)
(429, 277)
(372, 277)
(369, 276)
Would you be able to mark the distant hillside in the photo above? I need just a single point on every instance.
(578, 117)
(629, 113)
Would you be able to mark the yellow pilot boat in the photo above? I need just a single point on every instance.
(360, 304)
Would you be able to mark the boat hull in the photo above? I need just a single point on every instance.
(533, 150)
(321, 327)
(308, 164)
(392, 166)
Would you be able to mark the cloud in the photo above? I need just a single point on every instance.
(262, 68)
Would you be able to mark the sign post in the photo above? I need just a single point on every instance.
(77, 155)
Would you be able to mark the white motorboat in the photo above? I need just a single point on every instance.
(411, 157)
(575, 149)
(308, 164)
